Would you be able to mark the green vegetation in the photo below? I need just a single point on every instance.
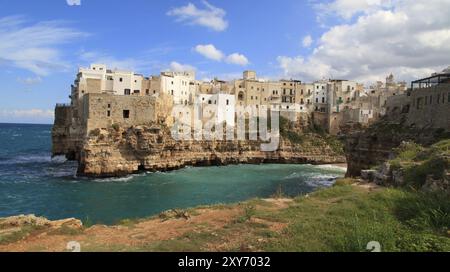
(17, 235)
(346, 218)
(419, 162)
(313, 136)
(345, 181)
(115, 126)
(342, 218)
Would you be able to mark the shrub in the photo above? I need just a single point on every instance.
(116, 127)
(345, 181)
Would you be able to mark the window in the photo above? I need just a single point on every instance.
(317, 100)
(127, 91)
(109, 106)
(137, 91)
(147, 91)
(108, 113)
(228, 102)
(209, 102)
(120, 79)
(323, 100)
(126, 114)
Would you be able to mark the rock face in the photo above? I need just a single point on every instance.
(366, 148)
(118, 151)
(32, 220)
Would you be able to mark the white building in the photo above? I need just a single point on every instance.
(320, 96)
(181, 85)
(116, 82)
(221, 105)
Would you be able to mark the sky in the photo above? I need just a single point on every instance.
(44, 42)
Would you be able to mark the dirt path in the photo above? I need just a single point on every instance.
(138, 235)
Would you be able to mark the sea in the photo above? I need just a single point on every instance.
(32, 182)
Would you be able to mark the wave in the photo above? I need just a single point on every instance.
(332, 167)
(321, 181)
(59, 159)
(26, 159)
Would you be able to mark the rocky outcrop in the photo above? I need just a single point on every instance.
(34, 221)
(372, 146)
(118, 151)
(386, 175)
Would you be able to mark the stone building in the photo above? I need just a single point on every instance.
(425, 105)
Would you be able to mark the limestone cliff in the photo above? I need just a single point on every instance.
(119, 151)
(366, 148)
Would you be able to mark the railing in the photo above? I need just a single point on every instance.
(62, 105)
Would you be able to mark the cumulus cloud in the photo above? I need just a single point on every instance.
(237, 59)
(210, 16)
(307, 41)
(34, 47)
(209, 51)
(347, 9)
(178, 67)
(411, 40)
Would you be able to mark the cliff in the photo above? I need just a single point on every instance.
(119, 151)
(366, 148)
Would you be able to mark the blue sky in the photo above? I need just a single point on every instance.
(42, 43)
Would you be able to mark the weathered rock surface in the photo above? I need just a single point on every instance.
(32, 220)
(366, 148)
(119, 151)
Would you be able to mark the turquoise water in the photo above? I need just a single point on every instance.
(31, 182)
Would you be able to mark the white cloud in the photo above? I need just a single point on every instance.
(34, 47)
(209, 51)
(347, 9)
(73, 2)
(30, 80)
(178, 67)
(411, 40)
(237, 59)
(211, 17)
(307, 41)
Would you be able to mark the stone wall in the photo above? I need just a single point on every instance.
(67, 139)
(104, 110)
(430, 107)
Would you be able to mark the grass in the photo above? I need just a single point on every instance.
(345, 181)
(346, 218)
(419, 162)
(18, 235)
(313, 136)
(342, 218)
